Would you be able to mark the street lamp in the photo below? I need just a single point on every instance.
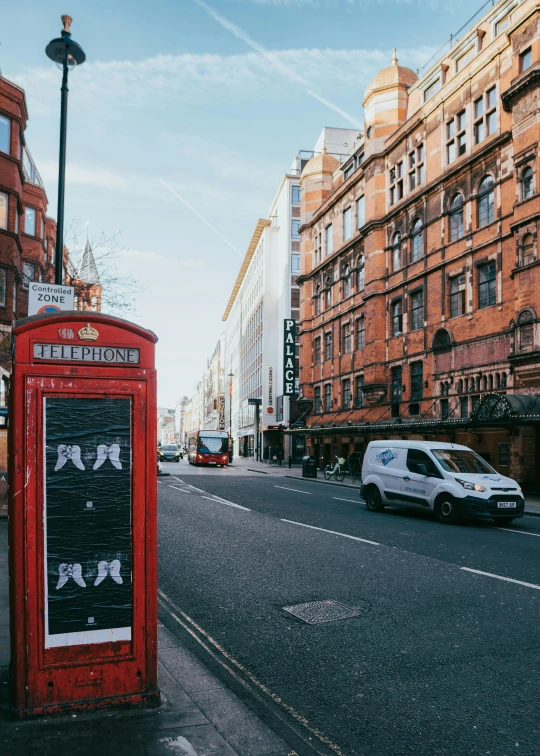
(67, 54)
(230, 377)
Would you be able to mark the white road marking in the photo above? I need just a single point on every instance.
(178, 479)
(296, 490)
(333, 532)
(224, 501)
(501, 577)
(196, 489)
(184, 490)
(354, 501)
(522, 532)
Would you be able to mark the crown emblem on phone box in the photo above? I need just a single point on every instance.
(88, 333)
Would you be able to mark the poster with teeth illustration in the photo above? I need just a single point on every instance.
(87, 520)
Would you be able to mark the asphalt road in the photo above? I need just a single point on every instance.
(439, 659)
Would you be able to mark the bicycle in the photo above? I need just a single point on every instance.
(335, 471)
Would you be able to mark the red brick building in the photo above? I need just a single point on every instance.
(420, 287)
(27, 235)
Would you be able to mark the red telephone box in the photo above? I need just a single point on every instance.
(82, 514)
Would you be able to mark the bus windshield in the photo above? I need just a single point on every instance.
(213, 444)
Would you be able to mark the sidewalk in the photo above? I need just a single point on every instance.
(532, 503)
(199, 716)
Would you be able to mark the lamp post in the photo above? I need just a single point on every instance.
(67, 54)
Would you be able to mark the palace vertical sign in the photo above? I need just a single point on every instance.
(289, 357)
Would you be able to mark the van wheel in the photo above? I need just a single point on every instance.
(447, 510)
(373, 500)
(504, 520)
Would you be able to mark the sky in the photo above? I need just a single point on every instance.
(184, 118)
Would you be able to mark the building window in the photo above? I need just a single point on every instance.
(346, 282)
(487, 275)
(457, 296)
(29, 221)
(329, 240)
(485, 115)
(360, 212)
(360, 275)
(417, 310)
(3, 283)
(432, 89)
(527, 183)
(328, 345)
(416, 240)
(347, 396)
(317, 350)
(360, 333)
(417, 174)
(317, 248)
(396, 183)
(360, 391)
(396, 251)
(445, 409)
(456, 137)
(295, 225)
(295, 298)
(347, 224)
(525, 60)
(501, 25)
(295, 263)
(527, 249)
(397, 318)
(397, 381)
(465, 58)
(346, 338)
(3, 210)
(295, 195)
(417, 381)
(456, 218)
(317, 300)
(348, 172)
(15, 296)
(486, 202)
(5, 135)
(464, 406)
(28, 274)
(318, 403)
(328, 397)
(328, 297)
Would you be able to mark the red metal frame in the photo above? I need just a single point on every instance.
(98, 674)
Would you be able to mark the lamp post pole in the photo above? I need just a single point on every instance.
(65, 52)
(230, 376)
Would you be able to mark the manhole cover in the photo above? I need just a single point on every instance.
(315, 612)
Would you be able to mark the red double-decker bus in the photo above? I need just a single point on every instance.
(208, 447)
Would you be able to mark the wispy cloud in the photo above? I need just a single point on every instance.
(147, 256)
(201, 217)
(275, 61)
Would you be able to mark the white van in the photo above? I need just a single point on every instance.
(449, 479)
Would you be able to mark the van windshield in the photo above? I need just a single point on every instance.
(461, 461)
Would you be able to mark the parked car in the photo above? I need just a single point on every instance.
(169, 453)
(450, 480)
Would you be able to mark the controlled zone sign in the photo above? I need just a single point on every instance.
(46, 297)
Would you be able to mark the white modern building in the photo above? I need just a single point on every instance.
(265, 294)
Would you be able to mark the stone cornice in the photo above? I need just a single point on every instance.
(520, 87)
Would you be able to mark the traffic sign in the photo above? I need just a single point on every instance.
(46, 297)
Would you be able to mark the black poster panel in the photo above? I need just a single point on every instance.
(88, 514)
(289, 357)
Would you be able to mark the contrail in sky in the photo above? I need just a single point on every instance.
(197, 213)
(274, 61)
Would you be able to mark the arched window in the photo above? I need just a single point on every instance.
(416, 240)
(527, 249)
(396, 251)
(484, 383)
(497, 381)
(456, 218)
(502, 383)
(486, 202)
(360, 275)
(527, 183)
(490, 383)
(317, 299)
(460, 386)
(346, 282)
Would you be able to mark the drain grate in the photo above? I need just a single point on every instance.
(315, 612)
